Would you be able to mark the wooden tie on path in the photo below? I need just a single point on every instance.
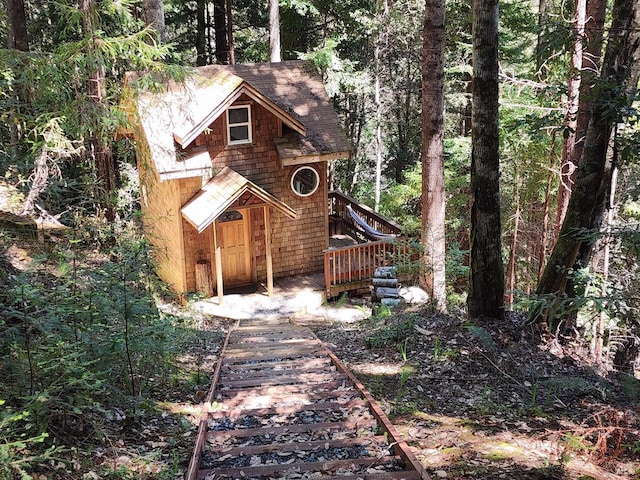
(283, 406)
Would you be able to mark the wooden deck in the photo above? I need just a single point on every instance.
(349, 266)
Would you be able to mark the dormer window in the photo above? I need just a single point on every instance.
(239, 125)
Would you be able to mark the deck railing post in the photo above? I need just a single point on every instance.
(327, 272)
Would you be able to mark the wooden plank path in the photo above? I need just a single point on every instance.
(283, 406)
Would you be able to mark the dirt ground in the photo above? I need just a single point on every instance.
(483, 401)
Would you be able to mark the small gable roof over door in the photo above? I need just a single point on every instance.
(171, 118)
(220, 193)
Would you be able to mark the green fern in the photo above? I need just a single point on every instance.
(483, 335)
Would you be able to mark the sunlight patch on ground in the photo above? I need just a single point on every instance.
(374, 368)
(19, 258)
(440, 441)
(134, 466)
(188, 409)
(502, 450)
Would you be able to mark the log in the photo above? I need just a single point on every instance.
(390, 302)
(385, 272)
(204, 282)
(385, 282)
(385, 292)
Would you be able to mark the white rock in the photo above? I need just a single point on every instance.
(414, 295)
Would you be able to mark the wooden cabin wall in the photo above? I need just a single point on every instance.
(197, 246)
(297, 245)
(162, 221)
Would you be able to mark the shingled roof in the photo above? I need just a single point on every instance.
(292, 90)
(219, 194)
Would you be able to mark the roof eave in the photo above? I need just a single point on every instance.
(242, 185)
(314, 158)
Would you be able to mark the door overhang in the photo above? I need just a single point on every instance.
(220, 193)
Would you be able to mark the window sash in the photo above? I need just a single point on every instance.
(239, 125)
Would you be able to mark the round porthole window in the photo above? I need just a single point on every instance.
(305, 181)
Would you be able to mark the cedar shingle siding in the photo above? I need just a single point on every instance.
(293, 125)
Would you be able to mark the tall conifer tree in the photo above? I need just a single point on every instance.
(433, 194)
(486, 288)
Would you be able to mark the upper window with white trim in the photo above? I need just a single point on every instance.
(239, 125)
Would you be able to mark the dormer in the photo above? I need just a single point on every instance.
(220, 98)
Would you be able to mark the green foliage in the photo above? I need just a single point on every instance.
(483, 336)
(436, 348)
(402, 348)
(19, 451)
(552, 389)
(577, 443)
(390, 329)
(402, 201)
(79, 333)
(443, 353)
(631, 386)
(50, 105)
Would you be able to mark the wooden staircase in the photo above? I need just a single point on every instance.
(282, 405)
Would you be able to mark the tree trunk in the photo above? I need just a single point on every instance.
(618, 81)
(542, 21)
(232, 58)
(17, 33)
(569, 161)
(201, 33)
(378, 102)
(274, 31)
(532, 243)
(16, 39)
(600, 328)
(486, 282)
(433, 194)
(591, 59)
(544, 234)
(153, 14)
(98, 150)
(220, 25)
(513, 256)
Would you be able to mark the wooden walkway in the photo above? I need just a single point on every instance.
(282, 406)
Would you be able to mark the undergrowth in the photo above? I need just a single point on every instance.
(79, 334)
(390, 329)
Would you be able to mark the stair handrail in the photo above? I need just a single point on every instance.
(339, 201)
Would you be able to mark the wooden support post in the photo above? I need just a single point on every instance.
(218, 255)
(267, 244)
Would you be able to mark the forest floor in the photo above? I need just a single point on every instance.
(486, 402)
(473, 402)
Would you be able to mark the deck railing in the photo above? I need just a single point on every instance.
(338, 208)
(352, 267)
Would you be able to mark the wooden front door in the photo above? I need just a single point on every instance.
(233, 238)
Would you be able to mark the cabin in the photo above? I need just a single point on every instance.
(233, 172)
(233, 176)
